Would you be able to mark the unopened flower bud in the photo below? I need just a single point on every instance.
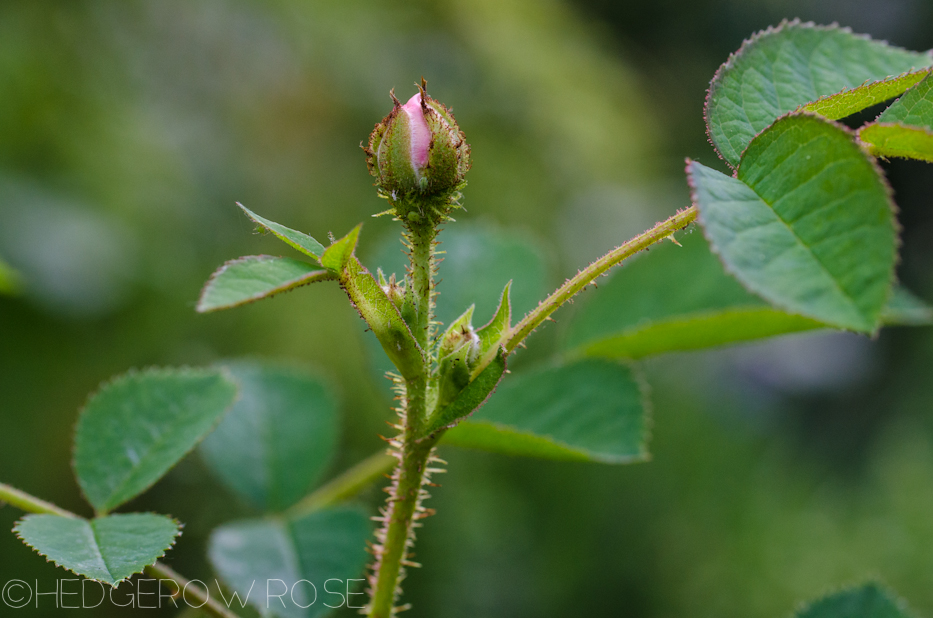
(418, 151)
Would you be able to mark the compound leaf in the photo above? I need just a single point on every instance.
(868, 601)
(807, 223)
(278, 438)
(139, 425)
(781, 69)
(263, 558)
(106, 549)
(589, 410)
(295, 239)
(254, 277)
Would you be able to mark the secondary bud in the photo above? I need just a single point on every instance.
(418, 150)
(457, 351)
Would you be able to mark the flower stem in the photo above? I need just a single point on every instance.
(403, 506)
(32, 504)
(586, 276)
(421, 238)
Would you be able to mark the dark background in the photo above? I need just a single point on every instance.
(129, 129)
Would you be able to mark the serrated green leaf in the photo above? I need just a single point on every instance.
(107, 549)
(278, 438)
(254, 277)
(848, 102)
(470, 398)
(905, 129)
(295, 239)
(914, 109)
(325, 545)
(680, 298)
(807, 224)
(898, 141)
(589, 410)
(868, 601)
(140, 424)
(340, 252)
(491, 334)
(783, 68)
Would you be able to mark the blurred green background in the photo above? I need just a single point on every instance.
(129, 129)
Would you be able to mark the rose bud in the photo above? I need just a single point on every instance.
(418, 153)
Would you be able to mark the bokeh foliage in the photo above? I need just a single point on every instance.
(131, 129)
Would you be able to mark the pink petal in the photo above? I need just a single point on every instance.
(420, 133)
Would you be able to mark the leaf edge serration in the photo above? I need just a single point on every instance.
(313, 276)
(889, 195)
(179, 530)
(729, 64)
(222, 371)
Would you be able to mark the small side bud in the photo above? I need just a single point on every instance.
(418, 153)
(400, 295)
(457, 352)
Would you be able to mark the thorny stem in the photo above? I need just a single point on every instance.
(586, 276)
(396, 536)
(403, 506)
(160, 571)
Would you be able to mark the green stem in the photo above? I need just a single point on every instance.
(194, 595)
(586, 276)
(421, 238)
(403, 505)
(25, 502)
(344, 486)
(32, 504)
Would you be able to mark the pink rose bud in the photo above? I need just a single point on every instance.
(418, 153)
